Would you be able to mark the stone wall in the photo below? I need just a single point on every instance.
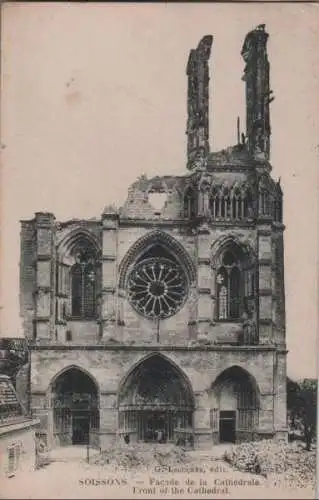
(110, 367)
(22, 385)
(23, 436)
(27, 276)
(119, 320)
(201, 366)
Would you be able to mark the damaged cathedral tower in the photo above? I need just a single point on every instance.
(166, 321)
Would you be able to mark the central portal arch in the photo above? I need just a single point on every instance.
(156, 403)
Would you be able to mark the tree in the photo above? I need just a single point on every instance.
(307, 409)
(302, 407)
(13, 355)
(292, 395)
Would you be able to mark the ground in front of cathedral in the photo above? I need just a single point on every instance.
(70, 476)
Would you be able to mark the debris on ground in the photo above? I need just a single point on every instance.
(139, 456)
(280, 463)
(288, 463)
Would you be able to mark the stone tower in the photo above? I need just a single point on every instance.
(198, 103)
(258, 93)
(167, 317)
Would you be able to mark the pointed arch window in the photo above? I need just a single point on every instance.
(277, 209)
(248, 204)
(215, 203)
(264, 202)
(222, 283)
(229, 287)
(83, 286)
(225, 208)
(236, 205)
(189, 204)
(264, 197)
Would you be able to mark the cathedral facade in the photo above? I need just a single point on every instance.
(166, 316)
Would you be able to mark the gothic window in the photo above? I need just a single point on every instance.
(227, 207)
(264, 198)
(222, 207)
(274, 209)
(157, 285)
(277, 210)
(234, 293)
(83, 279)
(280, 210)
(248, 205)
(217, 206)
(215, 203)
(265, 203)
(222, 284)
(189, 204)
(64, 311)
(157, 288)
(229, 287)
(224, 202)
(236, 205)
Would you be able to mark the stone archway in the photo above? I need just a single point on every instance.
(167, 244)
(156, 403)
(75, 408)
(235, 404)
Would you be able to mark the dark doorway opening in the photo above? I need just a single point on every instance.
(80, 428)
(227, 427)
(156, 427)
(76, 412)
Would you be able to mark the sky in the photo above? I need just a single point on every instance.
(93, 95)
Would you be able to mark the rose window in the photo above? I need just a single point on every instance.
(157, 288)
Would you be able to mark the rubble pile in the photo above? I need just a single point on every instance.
(261, 457)
(288, 461)
(300, 466)
(141, 456)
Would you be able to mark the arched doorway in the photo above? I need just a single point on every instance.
(156, 403)
(75, 408)
(235, 406)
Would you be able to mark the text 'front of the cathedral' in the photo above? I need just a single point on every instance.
(164, 320)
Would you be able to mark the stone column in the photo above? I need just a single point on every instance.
(108, 419)
(50, 419)
(198, 101)
(265, 306)
(280, 401)
(201, 421)
(121, 298)
(40, 410)
(192, 312)
(45, 276)
(213, 293)
(204, 281)
(109, 274)
(206, 210)
(273, 290)
(279, 314)
(266, 411)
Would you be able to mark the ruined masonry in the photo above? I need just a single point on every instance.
(165, 319)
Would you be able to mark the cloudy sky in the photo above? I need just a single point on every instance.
(93, 95)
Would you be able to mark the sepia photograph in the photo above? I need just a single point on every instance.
(159, 226)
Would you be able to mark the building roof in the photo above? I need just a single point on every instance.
(234, 156)
(11, 410)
